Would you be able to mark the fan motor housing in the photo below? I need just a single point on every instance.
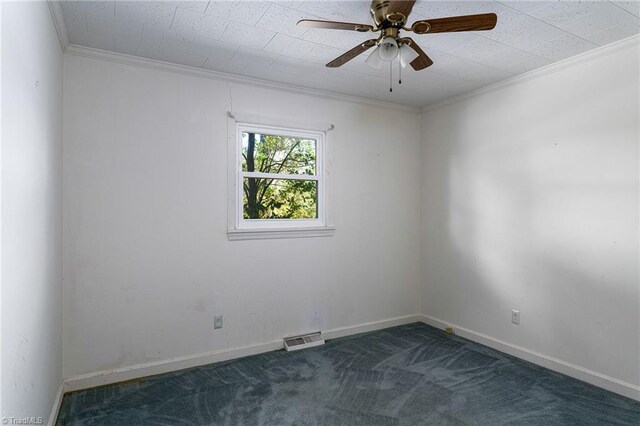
(379, 11)
(390, 32)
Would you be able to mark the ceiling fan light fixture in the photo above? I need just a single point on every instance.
(389, 19)
(388, 49)
(407, 55)
(374, 60)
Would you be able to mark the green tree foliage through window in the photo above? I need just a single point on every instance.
(279, 198)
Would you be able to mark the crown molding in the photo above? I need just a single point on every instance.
(58, 23)
(105, 55)
(77, 50)
(582, 58)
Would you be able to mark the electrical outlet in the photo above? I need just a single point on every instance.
(217, 322)
(515, 317)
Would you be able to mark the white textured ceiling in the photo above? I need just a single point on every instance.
(259, 39)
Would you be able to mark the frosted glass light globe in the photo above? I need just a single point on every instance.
(374, 60)
(407, 55)
(388, 49)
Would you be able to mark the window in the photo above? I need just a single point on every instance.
(280, 183)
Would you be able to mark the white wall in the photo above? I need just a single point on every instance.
(147, 263)
(31, 218)
(530, 202)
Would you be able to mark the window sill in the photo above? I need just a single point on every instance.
(279, 233)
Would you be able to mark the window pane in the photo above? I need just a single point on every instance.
(279, 199)
(278, 154)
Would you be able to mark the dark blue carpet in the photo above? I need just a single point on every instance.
(409, 375)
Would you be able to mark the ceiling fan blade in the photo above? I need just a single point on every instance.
(334, 25)
(402, 7)
(422, 61)
(485, 21)
(346, 57)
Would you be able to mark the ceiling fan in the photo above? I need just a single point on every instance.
(390, 17)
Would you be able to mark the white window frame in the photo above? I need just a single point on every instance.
(249, 229)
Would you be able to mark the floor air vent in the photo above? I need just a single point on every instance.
(295, 343)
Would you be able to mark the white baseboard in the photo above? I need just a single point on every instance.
(56, 405)
(370, 326)
(105, 377)
(592, 377)
(123, 374)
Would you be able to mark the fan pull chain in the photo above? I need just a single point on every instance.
(390, 75)
(399, 71)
